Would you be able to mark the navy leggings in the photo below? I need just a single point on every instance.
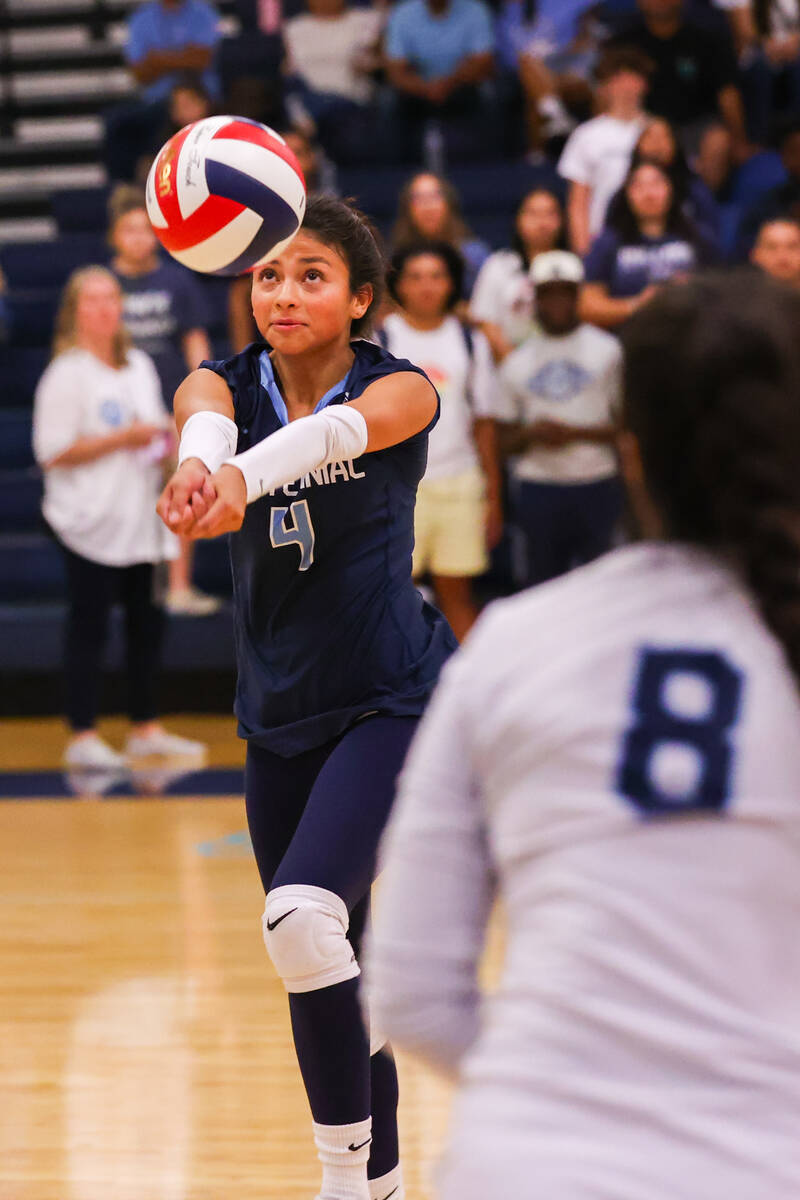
(317, 818)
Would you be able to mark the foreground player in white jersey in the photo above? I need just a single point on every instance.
(617, 755)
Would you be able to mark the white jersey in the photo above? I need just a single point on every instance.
(466, 384)
(620, 751)
(103, 510)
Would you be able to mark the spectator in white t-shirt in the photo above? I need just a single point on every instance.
(100, 431)
(502, 299)
(458, 516)
(331, 51)
(556, 404)
(597, 155)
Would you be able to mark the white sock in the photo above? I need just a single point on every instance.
(388, 1187)
(343, 1151)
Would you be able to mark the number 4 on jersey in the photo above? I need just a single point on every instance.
(299, 533)
(659, 724)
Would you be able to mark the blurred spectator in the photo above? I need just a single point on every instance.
(458, 515)
(658, 143)
(767, 35)
(550, 47)
(777, 250)
(99, 432)
(188, 102)
(780, 201)
(332, 52)
(163, 306)
(502, 299)
(597, 155)
(318, 170)
(428, 209)
(438, 52)
(320, 176)
(648, 240)
(164, 313)
(165, 39)
(558, 395)
(693, 84)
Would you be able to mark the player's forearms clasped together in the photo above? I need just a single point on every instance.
(205, 505)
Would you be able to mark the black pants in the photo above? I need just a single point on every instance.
(92, 589)
(566, 524)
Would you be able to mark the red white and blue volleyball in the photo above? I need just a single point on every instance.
(225, 193)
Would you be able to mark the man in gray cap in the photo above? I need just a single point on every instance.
(558, 393)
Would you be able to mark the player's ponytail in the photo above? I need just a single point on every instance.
(712, 393)
(339, 223)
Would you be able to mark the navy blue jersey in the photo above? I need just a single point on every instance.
(329, 625)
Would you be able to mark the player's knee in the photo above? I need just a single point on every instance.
(305, 932)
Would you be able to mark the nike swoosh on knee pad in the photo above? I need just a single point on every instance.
(274, 924)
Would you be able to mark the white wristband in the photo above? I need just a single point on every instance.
(209, 436)
(337, 434)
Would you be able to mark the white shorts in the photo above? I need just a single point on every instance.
(449, 526)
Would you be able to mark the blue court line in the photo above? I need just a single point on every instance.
(26, 785)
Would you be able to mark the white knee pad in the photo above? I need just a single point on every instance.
(305, 932)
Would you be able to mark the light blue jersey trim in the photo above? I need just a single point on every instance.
(269, 385)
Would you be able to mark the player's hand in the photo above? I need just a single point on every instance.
(187, 497)
(226, 513)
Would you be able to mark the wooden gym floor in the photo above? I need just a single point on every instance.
(145, 1051)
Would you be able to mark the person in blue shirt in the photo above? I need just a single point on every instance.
(647, 241)
(548, 48)
(438, 54)
(166, 39)
(307, 447)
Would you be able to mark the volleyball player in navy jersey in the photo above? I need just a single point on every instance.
(308, 449)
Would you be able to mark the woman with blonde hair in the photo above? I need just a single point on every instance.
(100, 431)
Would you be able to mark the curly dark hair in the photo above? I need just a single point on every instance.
(712, 394)
(444, 252)
(339, 224)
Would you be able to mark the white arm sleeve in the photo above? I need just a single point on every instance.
(436, 890)
(209, 436)
(337, 434)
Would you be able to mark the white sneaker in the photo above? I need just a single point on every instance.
(92, 753)
(191, 602)
(164, 744)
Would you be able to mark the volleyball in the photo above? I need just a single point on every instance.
(225, 193)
